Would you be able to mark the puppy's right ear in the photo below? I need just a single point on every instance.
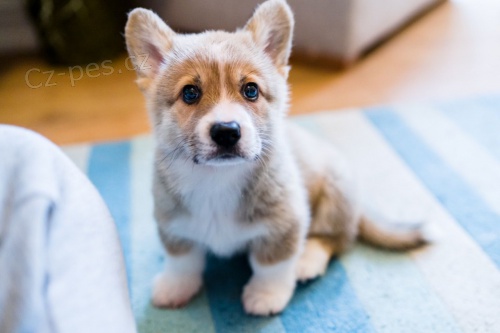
(149, 40)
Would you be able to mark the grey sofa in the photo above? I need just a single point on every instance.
(338, 31)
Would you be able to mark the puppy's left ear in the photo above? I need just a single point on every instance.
(272, 28)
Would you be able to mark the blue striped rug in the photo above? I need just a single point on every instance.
(440, 162)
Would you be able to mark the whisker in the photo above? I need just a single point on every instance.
(175, 153)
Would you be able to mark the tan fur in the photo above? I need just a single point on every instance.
(374, 234)
(174, 245)
(288, 199)
(329, 245)
(282, 246)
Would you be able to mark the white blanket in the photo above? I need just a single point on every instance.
(61, 265)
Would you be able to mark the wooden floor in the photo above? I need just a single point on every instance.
(454, 51)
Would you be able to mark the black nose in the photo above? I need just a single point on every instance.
(225, 134)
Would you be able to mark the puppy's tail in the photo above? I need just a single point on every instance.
(392, 238)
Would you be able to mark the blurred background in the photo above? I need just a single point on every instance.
(64, 72)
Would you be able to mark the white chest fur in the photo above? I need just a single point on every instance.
(212, 198)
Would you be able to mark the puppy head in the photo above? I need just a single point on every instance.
(215, 98)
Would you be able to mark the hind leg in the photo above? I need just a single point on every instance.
(314, 260)
(333, 228)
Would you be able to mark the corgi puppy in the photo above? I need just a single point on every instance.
(231, 174)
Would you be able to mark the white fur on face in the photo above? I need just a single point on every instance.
(250, 144)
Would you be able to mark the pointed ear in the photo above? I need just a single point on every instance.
(272, 28)
(148, 39)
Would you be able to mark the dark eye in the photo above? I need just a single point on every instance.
(191, 94)
(251, 91)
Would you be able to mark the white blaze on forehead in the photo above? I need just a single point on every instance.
(227, 111)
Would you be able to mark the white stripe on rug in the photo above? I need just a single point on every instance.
(79, 154)
(478, 167)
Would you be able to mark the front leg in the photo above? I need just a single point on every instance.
(182, 276)
(273, 281)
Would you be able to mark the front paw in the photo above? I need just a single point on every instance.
(263, 298)
(170, 291)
